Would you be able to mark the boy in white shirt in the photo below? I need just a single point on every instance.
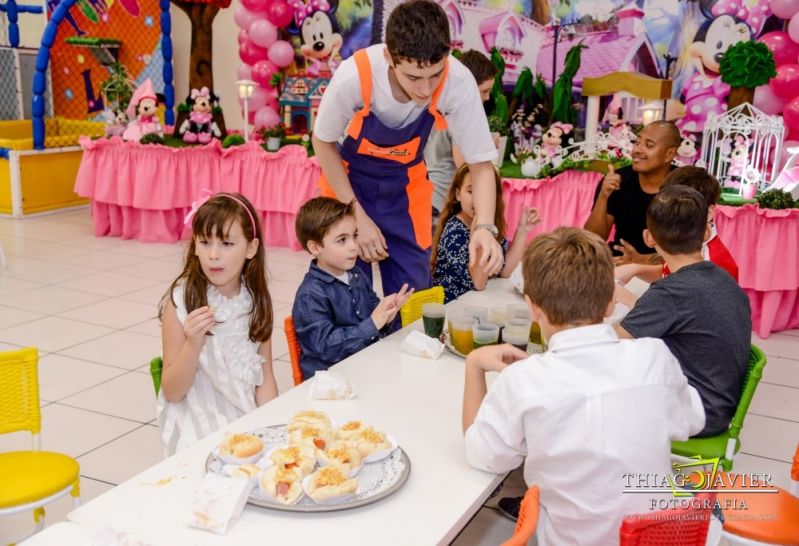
(586, 414)
(370, 133)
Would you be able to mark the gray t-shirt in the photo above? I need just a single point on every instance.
(440, 165)
(703, 316)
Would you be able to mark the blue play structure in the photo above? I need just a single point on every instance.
(12, 11)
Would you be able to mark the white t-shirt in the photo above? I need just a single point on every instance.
(459, 102)
(585, 413)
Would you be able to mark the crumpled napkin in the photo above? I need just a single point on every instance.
(419, 344)
(327, 385)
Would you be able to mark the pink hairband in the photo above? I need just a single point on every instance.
(206, 194)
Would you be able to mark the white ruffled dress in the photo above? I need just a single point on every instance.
(228, 371)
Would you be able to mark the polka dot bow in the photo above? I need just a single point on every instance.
(752, 13)
(303, 10)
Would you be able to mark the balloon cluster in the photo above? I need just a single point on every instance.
(263, 54)
(781, 94)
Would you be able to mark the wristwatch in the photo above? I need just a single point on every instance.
(491, 228)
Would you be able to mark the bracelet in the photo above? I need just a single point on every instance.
(620, 282)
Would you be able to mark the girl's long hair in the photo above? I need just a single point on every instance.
(214, 219)
(452, 207)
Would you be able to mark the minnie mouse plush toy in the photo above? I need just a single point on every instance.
(142, 110)
(553, 139)
(200, 125)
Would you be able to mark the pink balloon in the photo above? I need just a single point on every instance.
(263, 33)
(251, 53)
(266, 117)
(784, 49)
(258, 100)
(793, 28)
(790, 114)
(767, 101)
(786, 84)
(784, 9)
(280, 13)
(784, 155)
(243, 37)
(244, 72)
(244, 18)
(255, 5)
(281, 53)
(262, 72)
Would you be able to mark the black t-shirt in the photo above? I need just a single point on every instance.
(628, 207)
(702, 315)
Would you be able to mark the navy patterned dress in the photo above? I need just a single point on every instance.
(451, 269)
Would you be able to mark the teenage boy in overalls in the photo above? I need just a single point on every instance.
(384, 101)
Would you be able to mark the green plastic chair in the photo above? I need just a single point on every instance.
(727, 444)
(156, 365)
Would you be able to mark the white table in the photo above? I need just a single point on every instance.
(64, 533)
(417, 401)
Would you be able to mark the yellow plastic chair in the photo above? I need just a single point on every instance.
(29, 479)
(412, 310)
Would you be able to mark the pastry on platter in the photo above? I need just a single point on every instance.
(349, 431)
(240, 448)
(312, 437)
(282, 484)
(246, 471)
(309, 418)
(342, 456)
(329, 483)
(296, 456)
(370, 441)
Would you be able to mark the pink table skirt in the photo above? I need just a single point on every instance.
(143, 192)
(764, 243)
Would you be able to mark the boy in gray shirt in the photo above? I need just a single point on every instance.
(699, 311)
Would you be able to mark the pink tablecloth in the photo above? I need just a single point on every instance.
(764, 243)
(143, 192)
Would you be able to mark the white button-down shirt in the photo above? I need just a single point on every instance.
(585, 413)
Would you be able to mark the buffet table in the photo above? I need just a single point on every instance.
(416, 400)
(143, 192)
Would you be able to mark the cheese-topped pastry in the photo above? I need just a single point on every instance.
(241, 445)
(309, 418)
(349, 431)
(312, 437)
(283, 484)
(370, 440)
(341, 456)
(296, 456)
(329, 482)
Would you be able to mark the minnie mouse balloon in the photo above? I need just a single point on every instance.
(263, 33)
(784, 9)
(251, 53)
(281, 53)
(280, 13)
(255, 5)
(262, 72)
(244, 72)
(785, 50)
(767, 101)
(786, 84)
(244, 18)
(266, 117)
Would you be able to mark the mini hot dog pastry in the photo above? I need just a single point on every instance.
(301, 457)
(241, 445)
(309, 418)
(370, 440)
(341, 456)
(328, 483)
(313, 437)
(283, 484)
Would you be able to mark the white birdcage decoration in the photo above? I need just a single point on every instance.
(742, 142)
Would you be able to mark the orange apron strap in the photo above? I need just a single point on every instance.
(440, 121)
(365, 76)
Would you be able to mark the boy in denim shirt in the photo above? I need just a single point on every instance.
(336, 313)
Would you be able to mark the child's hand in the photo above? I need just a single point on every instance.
(495, 358)
(530, 218)
(385, 311)
(626, 272)
(399, 300)
(197, 324)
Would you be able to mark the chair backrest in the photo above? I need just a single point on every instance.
(757, 361)
(156, 365)
(412, 310)
(528, 519)
(19, 385)
(676, 527)
(294, 350)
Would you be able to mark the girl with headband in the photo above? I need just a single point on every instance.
(216, 325)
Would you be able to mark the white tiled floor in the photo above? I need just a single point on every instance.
(89, 304)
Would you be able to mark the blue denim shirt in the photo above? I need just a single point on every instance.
(332, 319)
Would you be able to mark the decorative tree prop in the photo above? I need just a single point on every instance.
(562, 91)
(201, 13)
(745, 66)
(497, 92)
(118, 88)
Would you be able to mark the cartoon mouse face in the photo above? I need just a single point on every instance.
(147, 107)
(687, 148)
(553, 136)
(739, 152)
(713, 39)
(121, 117)
(318, 39)
(202, 104)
